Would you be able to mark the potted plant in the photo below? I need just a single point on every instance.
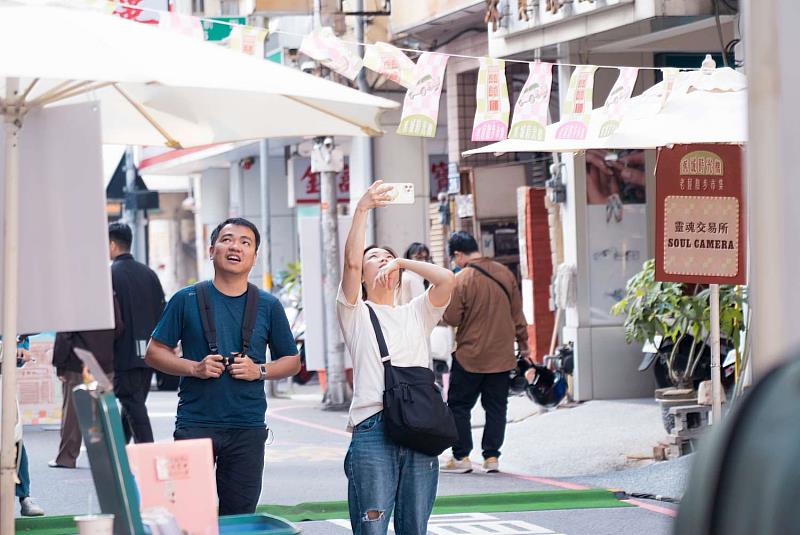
(673, 319)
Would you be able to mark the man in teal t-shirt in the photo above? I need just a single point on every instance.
(226, 403)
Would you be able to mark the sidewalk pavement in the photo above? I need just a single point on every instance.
(600, 443)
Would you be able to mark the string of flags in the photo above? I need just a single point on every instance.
(424, 79)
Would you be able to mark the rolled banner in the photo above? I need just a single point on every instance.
(492, 108)
(670, 75)
(182, 24)
(617, 98)
(390, 62)
(530, 111)
(578, 104)
(330, 51)
(248, 40)
(421, 105)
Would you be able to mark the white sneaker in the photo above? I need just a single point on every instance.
(457, 466)
(28, 507)
(491, 465)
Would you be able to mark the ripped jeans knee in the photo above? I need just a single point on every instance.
(373, 515)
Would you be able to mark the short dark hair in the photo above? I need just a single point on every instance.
(239, 222)
(461, 242)
(416, 248)
(121, 234)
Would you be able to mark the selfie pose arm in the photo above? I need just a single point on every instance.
(442, 280)
(375, 196)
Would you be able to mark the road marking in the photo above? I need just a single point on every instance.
(655, 508)
(472, 524)
(304, 423)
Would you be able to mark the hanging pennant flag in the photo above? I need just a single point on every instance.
(670, 75)
(530, 111)
(182, 24)
(492, 108)
(578, 104)
(106, 6)
(617, 98)
(325, 47)
(421, 105)
(391, 62)
(145, 11)
(248, 40)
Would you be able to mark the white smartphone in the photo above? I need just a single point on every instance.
(401, 192)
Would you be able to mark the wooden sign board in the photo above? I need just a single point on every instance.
(700, 225)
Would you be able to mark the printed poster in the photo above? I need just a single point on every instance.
(421, 105)
(493, 108)
(248, 40)
(617, 99)
(578, 104)
(390, 62)
(530, 111)
(131, 10)
(323, 46)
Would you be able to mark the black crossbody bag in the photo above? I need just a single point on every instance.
(414, 413)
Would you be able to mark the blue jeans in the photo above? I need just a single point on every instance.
(383, 477)
(23, 488)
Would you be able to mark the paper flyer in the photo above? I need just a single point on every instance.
(492, 108)
(578, 105)
(248, 40)
(391, 62)
(670, 74)
(182, 24)
(617, 98)
(330, 51)
(530, 111)
(421, 105)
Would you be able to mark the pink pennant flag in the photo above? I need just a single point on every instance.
(391, 62)
(492, 106)
(530, 111)
(617, 98)
(421, 105)
(330, 51)
(670, 74)
(578, 104)
(248, 40)
(131, 10)
(182, 24)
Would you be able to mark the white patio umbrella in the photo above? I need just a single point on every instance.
(703, 107)
(154, 88)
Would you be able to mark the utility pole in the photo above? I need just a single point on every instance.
(328, 162)
(139, 246)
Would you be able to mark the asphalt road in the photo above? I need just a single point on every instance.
(304, 464)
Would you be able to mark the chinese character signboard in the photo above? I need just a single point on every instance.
(307, 187)
(700, 228)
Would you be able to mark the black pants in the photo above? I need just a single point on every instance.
(131, 388)
(239, 457)
(462, 394)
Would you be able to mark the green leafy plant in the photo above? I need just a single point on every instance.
(676, 311)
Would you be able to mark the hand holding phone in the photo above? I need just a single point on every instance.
(401, 192)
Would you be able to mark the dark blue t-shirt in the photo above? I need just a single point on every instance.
(224, 402)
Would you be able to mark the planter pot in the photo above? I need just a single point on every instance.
(673, 397)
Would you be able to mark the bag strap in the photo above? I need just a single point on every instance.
(207, 315)
(250, 314)
(376, 326)
(500, 284)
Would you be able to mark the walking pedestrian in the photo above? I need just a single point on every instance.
(486, 309)
(411, 284)
(141, 301)
(69, 369)
(383, 476)
(224, 327)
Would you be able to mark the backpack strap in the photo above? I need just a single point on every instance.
(500, 284)
(250, 314)
(376, 326)
(206, 315)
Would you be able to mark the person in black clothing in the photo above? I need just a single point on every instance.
(141, 301)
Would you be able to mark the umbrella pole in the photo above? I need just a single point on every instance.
(8, 468)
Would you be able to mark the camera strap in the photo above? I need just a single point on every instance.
(207, 316)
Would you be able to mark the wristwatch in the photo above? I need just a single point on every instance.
(262, 368)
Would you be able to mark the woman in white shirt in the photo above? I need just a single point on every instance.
(383, 476)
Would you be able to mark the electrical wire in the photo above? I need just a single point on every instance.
(719, 33)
